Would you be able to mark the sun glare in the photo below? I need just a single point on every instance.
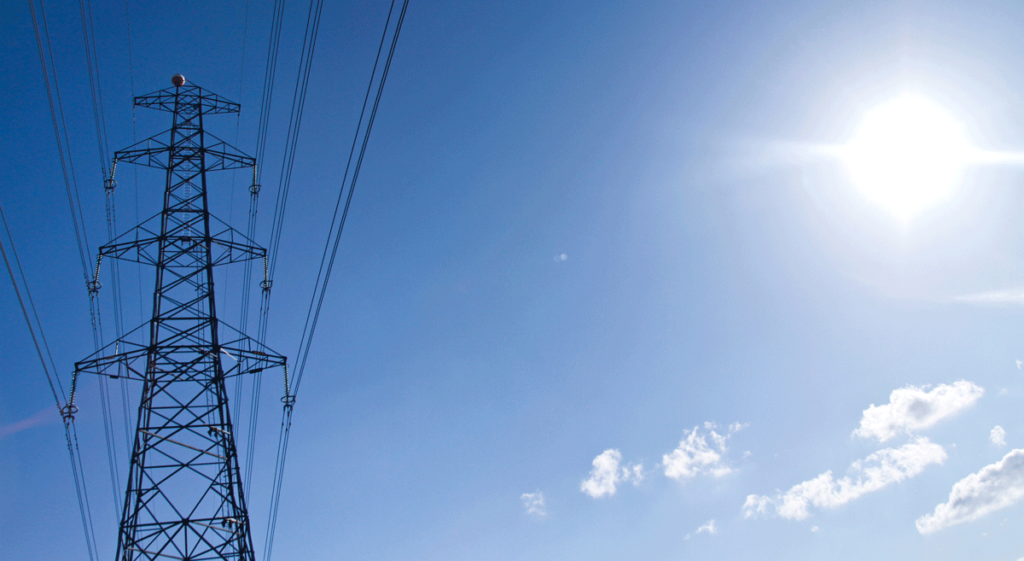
(907, 155)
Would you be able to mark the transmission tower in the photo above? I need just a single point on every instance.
(184, 498)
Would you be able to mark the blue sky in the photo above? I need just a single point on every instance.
(603, 293)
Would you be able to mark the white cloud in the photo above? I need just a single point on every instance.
(998, 436)
(709, 527)
(814, 528)
(878, 470)
(635, 473)
(694, 456)
(913, 408)
(756, 505)
(606, 474)
(534, 503)
(994, 487)
(1019, 363)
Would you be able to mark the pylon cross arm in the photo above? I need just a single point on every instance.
(141, 244)
(123, 358)
(219, 158)
(153, 152)
(167, 100)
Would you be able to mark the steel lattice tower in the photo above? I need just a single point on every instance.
(184, 498)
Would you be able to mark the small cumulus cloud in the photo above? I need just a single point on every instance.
(695, 456)
(534, 504)
(913, 408)
(814, 528)
(757, 505)
(878, 470)
(997, 436)
(607, 474)
(994, 487)
(709, 528)
(1019, 363)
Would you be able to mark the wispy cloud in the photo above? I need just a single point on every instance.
(607, 474)
(694, 456)
(994, 297)
(998, 436)
(994, 487)
(913, 408)
(878, 470)
(534, 504)
(45, 415)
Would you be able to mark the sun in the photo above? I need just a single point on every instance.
(907, 155)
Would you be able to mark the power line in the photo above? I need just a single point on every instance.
(294, 125)
(239, 382)
(61, 398)
(74, 199)
(291, 142)
(81, 490)
(327, 265)
(131, 77)
(313, 316)
(67, 163)
(269, 79)
(66, 411)
(92, 63)
(269, 74)
(96, 93)
(67, 170)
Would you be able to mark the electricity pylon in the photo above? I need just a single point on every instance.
(184, 498)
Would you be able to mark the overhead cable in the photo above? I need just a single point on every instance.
(64, 407)
(92, 63)
(269, 80)
(327, 264)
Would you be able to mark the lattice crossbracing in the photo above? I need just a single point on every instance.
(184, 498)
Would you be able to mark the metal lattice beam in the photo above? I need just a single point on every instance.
(184, 498)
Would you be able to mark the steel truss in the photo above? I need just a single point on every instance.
(184, 498)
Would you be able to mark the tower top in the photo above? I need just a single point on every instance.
(178, 80)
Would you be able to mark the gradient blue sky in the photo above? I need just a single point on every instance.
(580, 227)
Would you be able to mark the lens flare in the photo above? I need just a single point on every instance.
(907, 155)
